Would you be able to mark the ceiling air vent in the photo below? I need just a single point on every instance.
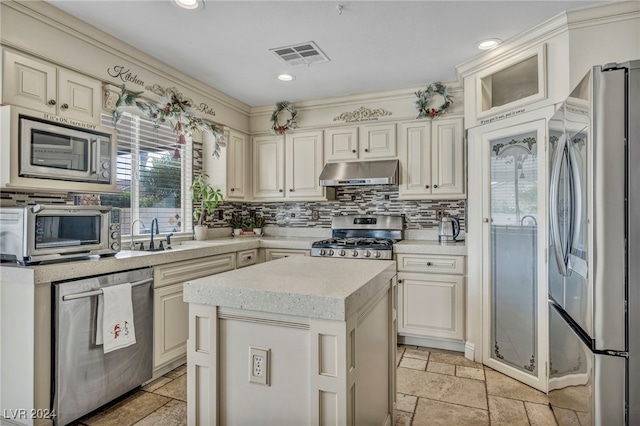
(301, 54)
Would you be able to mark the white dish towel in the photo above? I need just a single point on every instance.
(114, 322)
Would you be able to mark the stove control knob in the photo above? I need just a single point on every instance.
(331, 252)
(322, 252)
(376, 253)
(367, 253)
(342, 253)
(354, 253)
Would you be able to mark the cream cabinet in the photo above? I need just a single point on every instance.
(170, 312)
(237, 166)
(39, 85)
(366, 142)
(289, 169)
(431, 296)
(246, 258)
(274, 254)
(432, 160)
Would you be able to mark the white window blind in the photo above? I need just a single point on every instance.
(153, 180)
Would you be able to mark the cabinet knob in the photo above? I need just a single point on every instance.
(353, 150)
(366, 150)
(52, 102)
(280, 190)
(64, 106)
(426, 186)
(248, 257)
(290, 189)
(435, 186)
(399, 281)
(429, 264)
(233, 189)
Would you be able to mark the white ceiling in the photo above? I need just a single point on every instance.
(372, 45)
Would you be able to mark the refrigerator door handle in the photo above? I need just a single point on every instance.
(577, 190)
(553, 206)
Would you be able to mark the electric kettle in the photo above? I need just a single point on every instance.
(449, 229)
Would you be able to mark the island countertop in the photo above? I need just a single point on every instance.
(315, 287)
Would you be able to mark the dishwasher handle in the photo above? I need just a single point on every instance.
(99, 291)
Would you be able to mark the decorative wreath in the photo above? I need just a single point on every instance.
(280, 129)
(424, 98)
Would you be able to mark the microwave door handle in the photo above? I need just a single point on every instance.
(553, 206)
(93, 154)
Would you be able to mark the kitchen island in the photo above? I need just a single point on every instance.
(300, 340)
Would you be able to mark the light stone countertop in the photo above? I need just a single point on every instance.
(326, 288)
(187, 250)
(430, 247)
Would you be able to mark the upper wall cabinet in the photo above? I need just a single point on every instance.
(512, 83)
(237, 166)
(289, 169)
(366, 142)
(38, 85)
(432, 160)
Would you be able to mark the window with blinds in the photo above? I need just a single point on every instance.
(154, 180)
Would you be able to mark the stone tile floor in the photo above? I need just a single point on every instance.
(434, 387)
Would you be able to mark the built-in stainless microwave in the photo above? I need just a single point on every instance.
(44, 148)
(39, 233)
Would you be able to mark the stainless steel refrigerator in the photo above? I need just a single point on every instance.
(594, 251)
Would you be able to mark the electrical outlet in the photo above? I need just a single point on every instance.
(259, 365)
(315, 215)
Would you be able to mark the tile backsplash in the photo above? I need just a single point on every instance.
(380, 199)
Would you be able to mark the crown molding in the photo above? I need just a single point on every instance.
(563, 22)
(79, 29)
(349, 101)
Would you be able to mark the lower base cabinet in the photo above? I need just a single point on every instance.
(431, 297)
(274, 254)
(170, 312)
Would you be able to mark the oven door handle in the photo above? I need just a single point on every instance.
(99, 291)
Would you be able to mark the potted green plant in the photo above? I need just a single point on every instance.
(257, 223)
(205, 200)
(236, 223)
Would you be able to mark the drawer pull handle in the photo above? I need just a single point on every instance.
(248, 257)
(429, 264)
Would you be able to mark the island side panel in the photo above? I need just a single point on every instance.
(284, 400)
(202, 366)
(331, 372)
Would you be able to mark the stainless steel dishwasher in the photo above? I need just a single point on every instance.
(84, 377)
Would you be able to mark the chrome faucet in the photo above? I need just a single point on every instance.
(155, 220)
(133, 223)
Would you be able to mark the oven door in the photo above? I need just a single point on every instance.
(58, 233)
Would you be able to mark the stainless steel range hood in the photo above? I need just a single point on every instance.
(383, 172)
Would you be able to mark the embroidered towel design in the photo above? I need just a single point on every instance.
(114, 326)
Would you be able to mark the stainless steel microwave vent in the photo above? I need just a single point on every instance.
(301, 54)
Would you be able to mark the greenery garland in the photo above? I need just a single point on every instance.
(176, 111)
(424, 98)
(280, 129)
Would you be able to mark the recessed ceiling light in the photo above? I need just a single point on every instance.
(190, 4)
(488, 44)
(286, 77)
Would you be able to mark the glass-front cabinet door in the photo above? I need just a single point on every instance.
(513, 238)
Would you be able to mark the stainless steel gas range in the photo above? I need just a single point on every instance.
(361, 237)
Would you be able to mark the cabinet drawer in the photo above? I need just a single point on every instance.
(192, 269)
(246, 257)
(440, 264)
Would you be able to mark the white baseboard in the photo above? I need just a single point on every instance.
(469, 351)
(161, 371)
(427, 342)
